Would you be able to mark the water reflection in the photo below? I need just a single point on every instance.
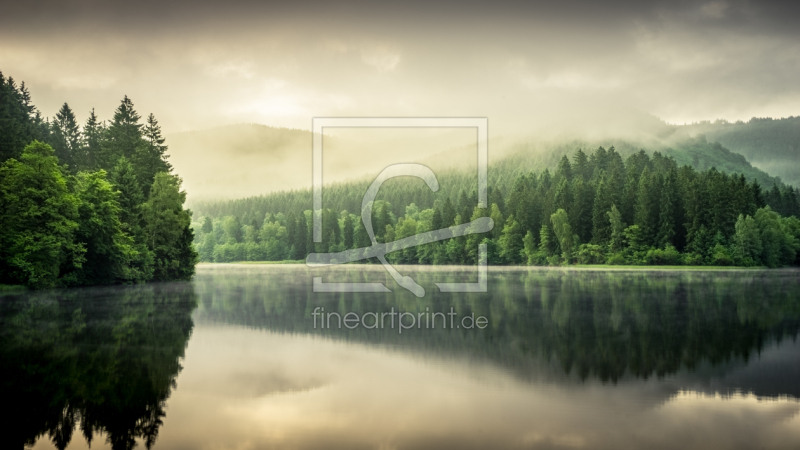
(570, 358)
(102, 361)
(557, 324)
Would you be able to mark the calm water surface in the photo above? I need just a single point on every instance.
(567, 359)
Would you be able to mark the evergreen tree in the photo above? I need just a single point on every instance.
(130, 196)
(563, 232)
(300, 244)
(564, 169)
(511, 241)
(617, 229)
(448, 213)
(90, 149)
(66, 138)
(580, 165)
(348, 231)
(17, 119)
(167, 230)
(668, 218)
(122, 138)
(208, 226)
(601, 230)
(646, 206)
(150, 156)
(546, 244)
(437, 223)
(583, 200)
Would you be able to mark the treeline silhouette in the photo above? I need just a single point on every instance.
(87, 205)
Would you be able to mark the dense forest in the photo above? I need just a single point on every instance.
(593, 208)
(96, 204)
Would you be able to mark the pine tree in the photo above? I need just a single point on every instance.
(564, 169)
(583, 199)
(437, 223)
(511, 245)
(348, 231)
(645, 206)
(122, 138)
(90, 148)
(617, 229)
(168, 230)
(545, 241)
(17, 126)
(130, 196)
(208, 226)
(601, 230)
(67, 137)
(580, 165)
(150, 156)
(300, 243)
(563, 232)
(448, 213)
(668, 218)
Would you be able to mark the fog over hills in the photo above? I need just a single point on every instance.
(245, 160)
(772, 145)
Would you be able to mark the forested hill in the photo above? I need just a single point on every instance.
(518, 160)
(593, 208)
(770, 144)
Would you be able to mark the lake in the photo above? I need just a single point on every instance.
(249, 357)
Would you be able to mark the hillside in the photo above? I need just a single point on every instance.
(247, 160)
(772, 145)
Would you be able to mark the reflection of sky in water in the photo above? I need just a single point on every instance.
(245, 387)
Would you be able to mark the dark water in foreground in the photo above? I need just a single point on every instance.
(567, 359)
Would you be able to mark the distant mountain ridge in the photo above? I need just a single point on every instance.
(770, 144)
(248, 160)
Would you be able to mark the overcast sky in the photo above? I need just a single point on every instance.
(200, 64)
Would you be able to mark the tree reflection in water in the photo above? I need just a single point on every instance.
(103, 360)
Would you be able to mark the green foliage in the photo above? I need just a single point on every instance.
(66, 138)
(63, 222)
(668, 256)
(617, 229)
(563, 231)
(643, 209)
(20, 123)
(39, 220)
(109, 251)
(511, 241)
(591, 254)
(150, 155)
(167, 229)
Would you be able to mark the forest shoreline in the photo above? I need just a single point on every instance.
(603, 267)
